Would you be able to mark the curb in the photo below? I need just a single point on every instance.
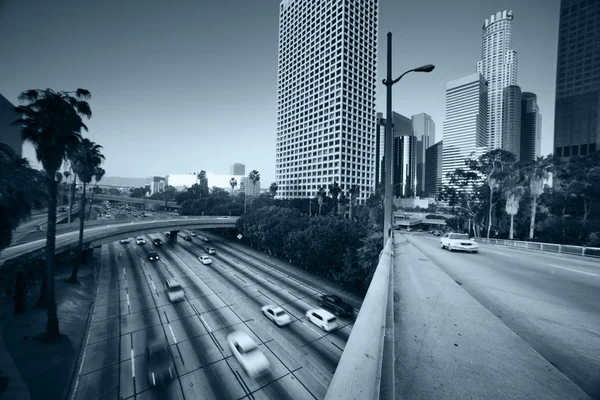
(72, 384)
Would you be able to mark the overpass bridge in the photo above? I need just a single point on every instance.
(135, 200)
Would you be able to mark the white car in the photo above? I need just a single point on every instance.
(458, 241)
(124, 241)
(140, 240)
(205, 260)
(276, 314)
(254, 362)
(192, 233)
(323, 319)
(174, 290)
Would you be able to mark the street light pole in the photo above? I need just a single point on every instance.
(388, 144)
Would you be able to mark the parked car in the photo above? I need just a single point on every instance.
(205, 260)
(210, 250)
(153, 256)
(335, 304)
(323, 319)
(276, 314)
(252, 360)
(140, 240)
(159, 363)
(174, 290)
(458, 241)
(157, 242)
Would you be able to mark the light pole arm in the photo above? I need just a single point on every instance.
(385, 82)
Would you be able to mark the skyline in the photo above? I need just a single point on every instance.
(160, 50)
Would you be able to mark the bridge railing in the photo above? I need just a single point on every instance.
(359, 372)
(550, 247)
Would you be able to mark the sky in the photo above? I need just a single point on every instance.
(188, 85)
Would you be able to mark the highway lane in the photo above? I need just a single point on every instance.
(131, 305)
(551, 301)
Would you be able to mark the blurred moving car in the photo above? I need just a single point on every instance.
(458, 241)
(210, 250)
(323, 319)
(174, 290)
(205, 260)
(187, 238)
(276, 314)
(159, 363)
(153, 256)
(193, 233)
(124, 241)
(254, 362)
(157, 242)
(140, 240)
(335, 304)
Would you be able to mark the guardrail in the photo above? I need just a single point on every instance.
(550, 247)
(359, 372)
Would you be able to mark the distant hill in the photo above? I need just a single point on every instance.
(118, 181)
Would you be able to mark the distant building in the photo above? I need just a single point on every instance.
(465, 127)
(577, 107)
(157, 184)
(237, 169)
(531, 128)
(433, 169)
(248, 187)
(424, 130)
(181, 181)
(404, 176)
(10, 134)
(511, 124)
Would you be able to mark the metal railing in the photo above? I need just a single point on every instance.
(550, 247)
(359, 372)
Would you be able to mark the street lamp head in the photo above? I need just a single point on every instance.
(425, 68)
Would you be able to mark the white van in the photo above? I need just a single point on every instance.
(174, 290)
(323, 319)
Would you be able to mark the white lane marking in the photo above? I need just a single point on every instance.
(172, 334)
(154, 285)
(128, 300)
(310, 327)
(124, 272)
(204, 322)
(132, 365)
(571, 269)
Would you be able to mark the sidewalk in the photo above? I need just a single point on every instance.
(449, 346)
(45, 371)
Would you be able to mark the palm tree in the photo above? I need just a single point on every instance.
(254, 176)
(513, 194)
(233, 183)
(341, 205)
(321, 197)
(98, 175)
(537, 173)
(354, 191)
(203, 183)
(86, 159)
(273, 188)
(52, 123)
(334, 189)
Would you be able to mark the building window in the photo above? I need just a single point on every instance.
(574, 150)
(558, 152)
(592, 148)
(583, 150)
(567, 151)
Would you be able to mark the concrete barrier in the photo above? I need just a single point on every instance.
(358, 375)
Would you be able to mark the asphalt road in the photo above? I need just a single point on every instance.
(222, 297)
(549, 300)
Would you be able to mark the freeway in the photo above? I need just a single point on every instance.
(551, 301)
(225, 296)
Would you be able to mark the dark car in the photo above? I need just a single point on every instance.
(153, 256)
(187, 238)
(157, 242)
(159, 363)
(335, 304)
(168, 234)
(207, 240)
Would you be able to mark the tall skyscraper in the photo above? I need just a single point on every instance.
(531, 127)
(326, 96)
(498, 66)
(379, 151)
(465, 133)
(404, 177)
(511, 120)
(577, 107)
(10, 134)
(433, 169)
(424, 131)
(237, 169)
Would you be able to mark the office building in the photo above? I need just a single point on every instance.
(248, 187)
(237, 169)
(181, 181)
(433, 169)
(424, 130)
(404, 176)
(511, 120)
(465, 133)
(379, 151)
(577, 106)
(498, 66)
(326, 96)
(10, 134)
(157, 184)
(531, 128)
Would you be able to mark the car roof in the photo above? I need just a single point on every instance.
(243, 340)
(173, 282)
(323, 313)
(152, 253)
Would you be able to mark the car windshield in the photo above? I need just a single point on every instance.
(460, 236)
